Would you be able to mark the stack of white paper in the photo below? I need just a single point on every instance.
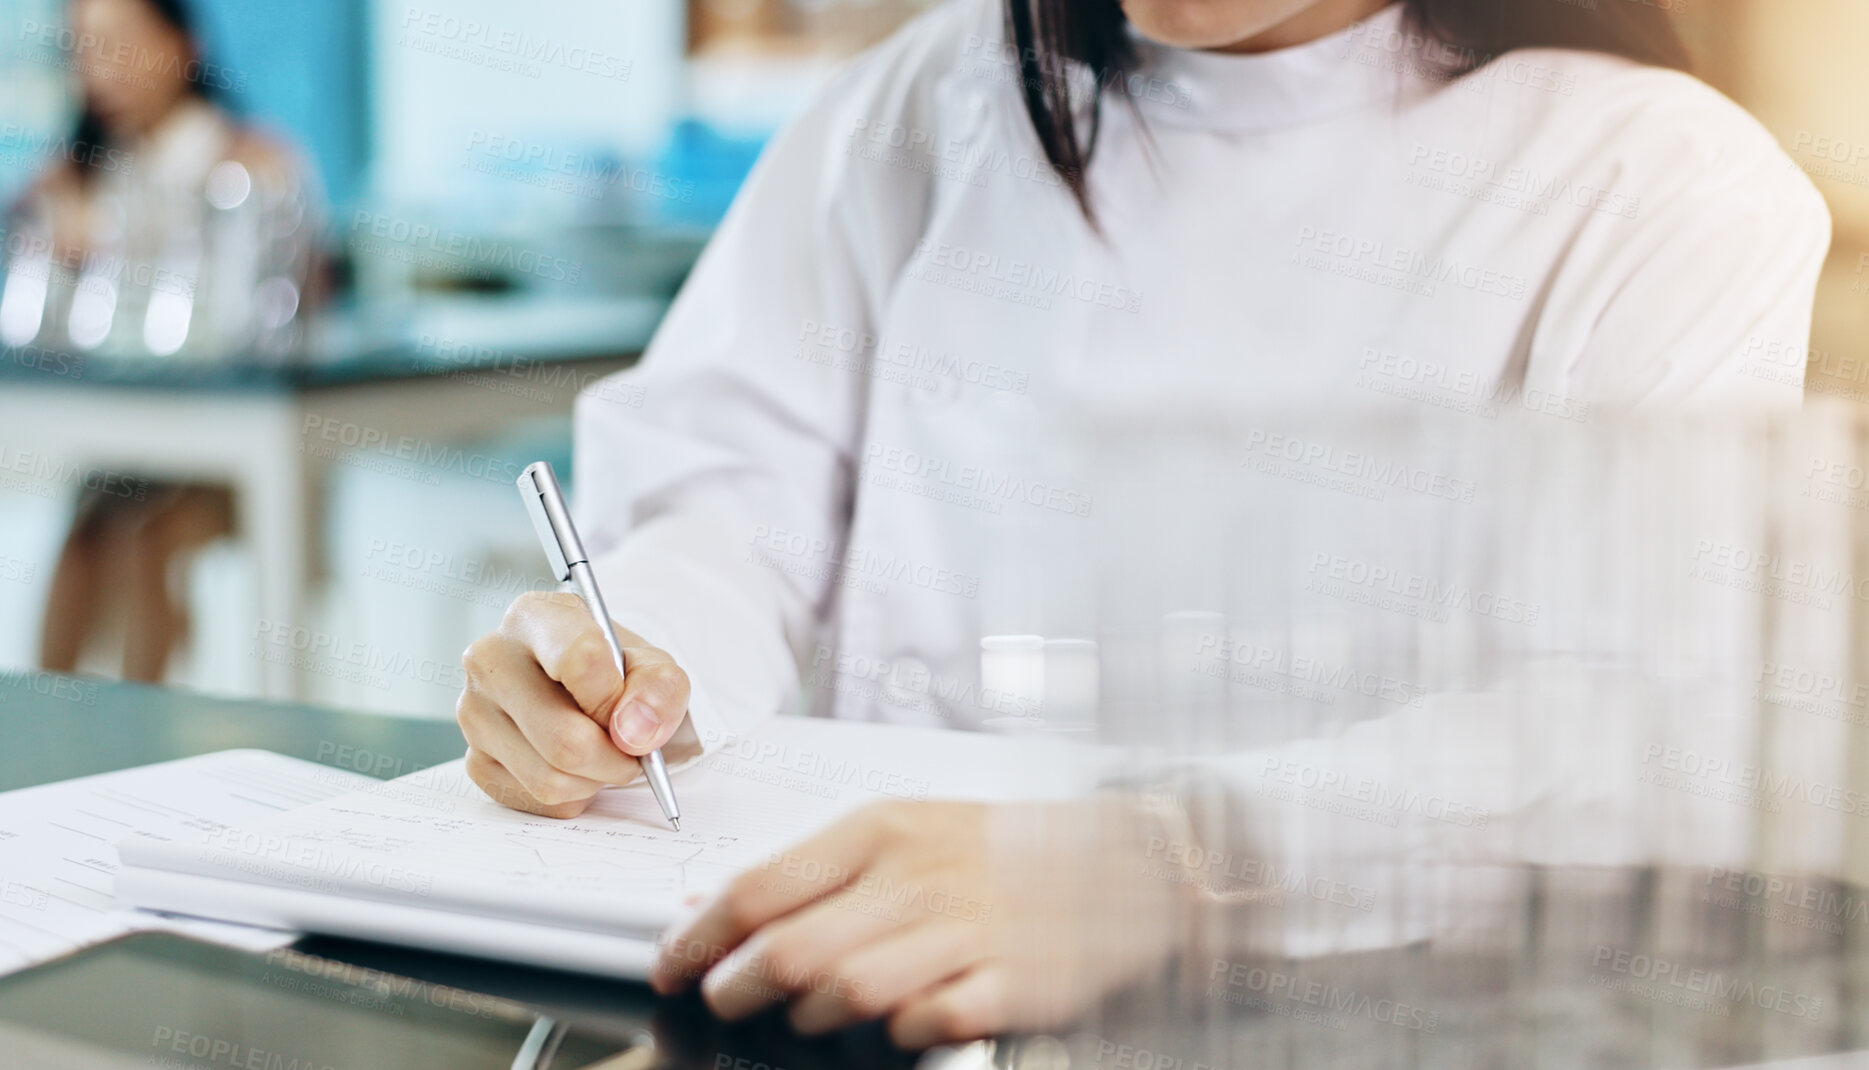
(429, 861)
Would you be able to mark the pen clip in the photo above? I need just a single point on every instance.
(545, 504)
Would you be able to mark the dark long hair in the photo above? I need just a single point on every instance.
(89, 136)
(1050, 33)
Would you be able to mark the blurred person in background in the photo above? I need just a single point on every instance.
(1088, 204)
(165, 230)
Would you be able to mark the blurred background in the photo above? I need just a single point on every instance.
(472, 212)
(266, 446)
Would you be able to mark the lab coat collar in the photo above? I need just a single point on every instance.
(1375, 60)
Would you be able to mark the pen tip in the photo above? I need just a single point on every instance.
(675, 821)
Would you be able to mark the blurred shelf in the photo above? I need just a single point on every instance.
(432, 336)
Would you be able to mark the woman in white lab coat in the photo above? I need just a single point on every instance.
(1302, 199)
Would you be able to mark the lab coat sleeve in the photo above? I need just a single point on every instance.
(1704, 301)
(713, 481)
(1704, 297)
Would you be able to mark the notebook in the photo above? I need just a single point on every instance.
(429, 861)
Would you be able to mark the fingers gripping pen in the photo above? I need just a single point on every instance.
(545, 503)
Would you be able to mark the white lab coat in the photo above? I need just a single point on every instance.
(837, 420)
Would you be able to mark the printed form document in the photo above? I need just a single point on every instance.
(58, 853)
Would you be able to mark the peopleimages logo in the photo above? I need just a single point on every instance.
(48, 685)
(200, 1049)
(315, 651)
(902, 361)
(1428, 597)
(428, 457)
(1329, 1004)
(428, 246)
(29, 149)
(1789, 579)
(1448, 386)
(49, 361)
(39, 474)
(126, 56)
(977, 485)
(458, 38)
(582, 173)
(25, 896)
(1836, 482)
(309, 864)
(815, 556)
(1020, 277)
(1674, 979)
(1825, 694)
(1364, 796)
(1253, 658)
(1721, 771)
(1418, 269)
(1803, 903)
(909, 683)
(1538, 188)
(1378, 473)
(1834, 149)
(1222, 871)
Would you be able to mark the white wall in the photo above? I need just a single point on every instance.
(437, 68)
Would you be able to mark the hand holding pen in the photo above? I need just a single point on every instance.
(538, 488)
(557, 707)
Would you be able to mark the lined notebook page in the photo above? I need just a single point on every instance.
(434, 839)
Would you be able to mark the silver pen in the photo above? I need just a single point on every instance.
(545, 503)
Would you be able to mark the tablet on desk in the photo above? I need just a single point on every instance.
(157, 1000)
